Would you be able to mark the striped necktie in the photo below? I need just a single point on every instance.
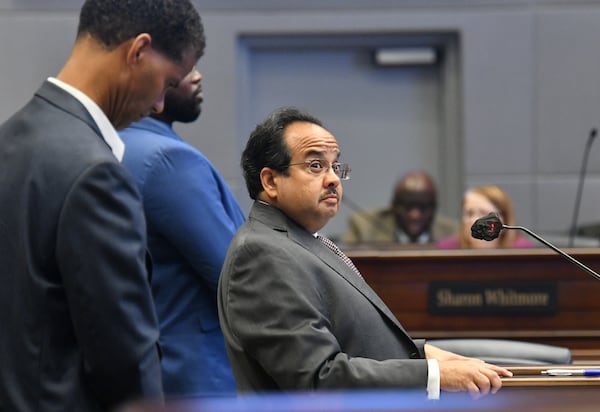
(333, 247)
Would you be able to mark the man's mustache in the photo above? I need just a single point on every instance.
(329, 193)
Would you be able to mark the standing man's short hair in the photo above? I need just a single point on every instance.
(174, 25)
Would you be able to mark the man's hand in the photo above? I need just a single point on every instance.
(460, 373)
(473, 375)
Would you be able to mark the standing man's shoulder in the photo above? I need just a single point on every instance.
(59, 134)
(147, 136)
(151, 137)
(154, 151)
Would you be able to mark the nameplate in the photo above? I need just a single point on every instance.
(492, 298)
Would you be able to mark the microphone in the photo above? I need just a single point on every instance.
(489, 228)
(586, 154)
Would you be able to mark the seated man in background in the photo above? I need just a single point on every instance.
(411, 219)
(478, 202)
(295, 312)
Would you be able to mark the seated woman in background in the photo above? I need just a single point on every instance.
(477, 203)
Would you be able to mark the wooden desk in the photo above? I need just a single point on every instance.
(528, 376)
(402, 278)
(525, 392)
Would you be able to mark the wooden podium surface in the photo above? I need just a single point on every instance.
(532, 376)
(404, 279)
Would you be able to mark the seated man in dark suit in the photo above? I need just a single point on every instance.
(412, 217)
(295, 312)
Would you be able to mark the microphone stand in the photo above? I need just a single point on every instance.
(557, 250)
(586, 154)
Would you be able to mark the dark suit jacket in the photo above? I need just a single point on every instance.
(295, 316)
(77, 325)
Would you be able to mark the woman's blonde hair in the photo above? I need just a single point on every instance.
(503, 204)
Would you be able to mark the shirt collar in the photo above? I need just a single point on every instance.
(156, 126)
(423, 238)
(109, 134)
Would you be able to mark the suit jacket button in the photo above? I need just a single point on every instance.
(414, 355)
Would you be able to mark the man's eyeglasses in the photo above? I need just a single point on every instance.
(320, 166)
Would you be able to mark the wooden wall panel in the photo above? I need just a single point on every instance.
(403, 278)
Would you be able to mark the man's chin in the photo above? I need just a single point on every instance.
(331, 211)
(414, 233)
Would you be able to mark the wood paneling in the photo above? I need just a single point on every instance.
(402, 278)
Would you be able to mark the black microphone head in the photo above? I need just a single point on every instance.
(487, 227)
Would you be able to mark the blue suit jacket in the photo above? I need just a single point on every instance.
(191, 217)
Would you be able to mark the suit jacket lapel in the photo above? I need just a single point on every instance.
(64, 101)
(271, 216)
(338, 265)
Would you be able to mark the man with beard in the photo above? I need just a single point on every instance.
(191, 216)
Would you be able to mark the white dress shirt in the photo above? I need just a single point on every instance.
(109, 134)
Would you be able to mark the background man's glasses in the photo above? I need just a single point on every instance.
(320, 166)
(408, 206)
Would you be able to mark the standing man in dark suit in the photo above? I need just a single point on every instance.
(78, 330)
(295, 312)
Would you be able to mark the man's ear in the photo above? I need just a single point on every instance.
(140, 45)
(269, 178)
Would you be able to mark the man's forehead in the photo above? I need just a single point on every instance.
(317, 149)
(316, 141)
(321, 146)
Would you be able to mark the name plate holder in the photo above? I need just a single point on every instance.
(493, 298)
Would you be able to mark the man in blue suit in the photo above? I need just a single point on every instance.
(192, 216)
(78, 330)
